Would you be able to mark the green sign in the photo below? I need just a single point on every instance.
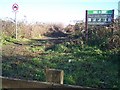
(99, 17)
(100, 11)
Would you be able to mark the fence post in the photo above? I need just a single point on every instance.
(54, 76)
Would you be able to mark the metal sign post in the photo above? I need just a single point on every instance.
(15, 9)
(16, 24)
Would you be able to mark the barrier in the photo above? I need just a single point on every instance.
(18, 83)
(54, 79)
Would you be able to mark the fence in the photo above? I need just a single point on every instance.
(54, 79)
(17, 83)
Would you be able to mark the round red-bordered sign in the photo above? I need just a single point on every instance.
(15, 7)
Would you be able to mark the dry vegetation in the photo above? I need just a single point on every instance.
(93, 63)
(29, 31)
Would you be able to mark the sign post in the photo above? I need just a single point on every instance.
(15, 9)
(86, 26)
(98, 17)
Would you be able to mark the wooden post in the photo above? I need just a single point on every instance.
(86, 27)
(54, 76)
(112, 22)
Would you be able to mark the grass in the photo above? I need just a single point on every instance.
(85, 66)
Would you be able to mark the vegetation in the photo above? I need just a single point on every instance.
(93, 64)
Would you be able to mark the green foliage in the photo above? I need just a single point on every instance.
(60, 48)
(87, 66)
(93, 65)
(103, 38)
(7, 40)
(69, 79)
(37, 48)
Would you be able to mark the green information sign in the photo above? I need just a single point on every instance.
(100, 11)
(99, 17)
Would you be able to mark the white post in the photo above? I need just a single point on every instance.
(16, 23)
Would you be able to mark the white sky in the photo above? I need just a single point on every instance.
(54, 10)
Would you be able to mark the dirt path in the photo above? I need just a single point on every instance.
(23, 50)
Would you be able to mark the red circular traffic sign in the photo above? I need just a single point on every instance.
(15, 7)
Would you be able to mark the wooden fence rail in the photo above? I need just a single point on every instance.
(17, 83)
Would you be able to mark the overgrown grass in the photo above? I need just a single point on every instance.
(82, 65)
(93, 65)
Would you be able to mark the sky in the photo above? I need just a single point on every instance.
(54, 11)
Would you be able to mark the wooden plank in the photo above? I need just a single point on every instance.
(17, 83)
